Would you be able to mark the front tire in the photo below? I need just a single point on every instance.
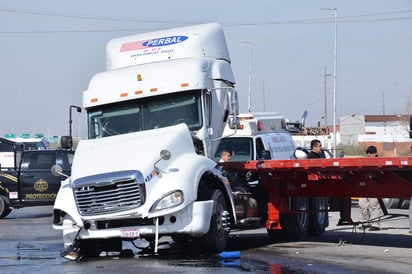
(4, 207)
(216, 239)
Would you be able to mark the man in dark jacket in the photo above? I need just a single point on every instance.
(315, 149)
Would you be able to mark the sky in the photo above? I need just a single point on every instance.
(280, 51)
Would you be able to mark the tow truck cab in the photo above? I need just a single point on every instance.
(260, 136)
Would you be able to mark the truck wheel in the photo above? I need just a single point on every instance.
(296, 225)
(404, 204)
(4, 207)
(391, 202)
(216, 239)
(319, 219)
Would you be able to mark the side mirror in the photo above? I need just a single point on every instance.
(165, 154)
(266, 155)
(66, 142)
(233, 103)
(57, 170)
(234, 122)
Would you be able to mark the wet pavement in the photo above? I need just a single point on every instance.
(30, 245)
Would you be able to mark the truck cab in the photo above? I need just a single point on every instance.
(155, 119)
(260, 136)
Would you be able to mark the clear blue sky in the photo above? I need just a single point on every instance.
(50, 49)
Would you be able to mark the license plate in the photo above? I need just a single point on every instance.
(130, 233)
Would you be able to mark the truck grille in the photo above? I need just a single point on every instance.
(110, 192)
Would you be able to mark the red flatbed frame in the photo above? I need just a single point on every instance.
(383, 177)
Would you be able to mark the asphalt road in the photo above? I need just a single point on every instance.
(30, 245)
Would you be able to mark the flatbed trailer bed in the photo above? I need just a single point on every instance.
(338, 179)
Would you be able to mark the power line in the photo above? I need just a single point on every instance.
(361, 18)
(88, 17)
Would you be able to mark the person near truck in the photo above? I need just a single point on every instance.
(370, 207)
(224, 156)
(315, 149)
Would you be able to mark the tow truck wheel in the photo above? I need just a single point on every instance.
(319, 219)
(296, 225)
(4, 207)
(216, 239)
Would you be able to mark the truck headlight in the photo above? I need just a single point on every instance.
(169, 200)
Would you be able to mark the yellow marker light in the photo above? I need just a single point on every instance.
(93, 100)
(153, 89)
(137, 92)
(139, 77)
(184, 85)
(124, 94)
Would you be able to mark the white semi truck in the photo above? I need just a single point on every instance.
(155, 118)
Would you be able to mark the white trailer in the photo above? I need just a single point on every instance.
(155, 118)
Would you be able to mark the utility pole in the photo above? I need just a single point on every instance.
(263, 95)
(250, 75)
(325, 97)
(335, 57)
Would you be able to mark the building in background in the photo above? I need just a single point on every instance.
(389, 133)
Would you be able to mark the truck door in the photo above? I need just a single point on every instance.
(37, 184)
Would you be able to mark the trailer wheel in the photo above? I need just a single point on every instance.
(403, 203)
(216, 239)
(391, 202)
(4, 207)
(319, 219)
(296, 225)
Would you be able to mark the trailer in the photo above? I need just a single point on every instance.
(291, 183)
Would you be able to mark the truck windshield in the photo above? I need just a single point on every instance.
(240, 149)
(147, 113)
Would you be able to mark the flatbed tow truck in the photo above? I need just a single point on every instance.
(335, 178)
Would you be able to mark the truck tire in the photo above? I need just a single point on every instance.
(216, 239)
(391, 202)
(319, 219)
(4, 207)
(404, 203)
(296, 225)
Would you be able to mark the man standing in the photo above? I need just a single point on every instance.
(315, 149)
(370, 208)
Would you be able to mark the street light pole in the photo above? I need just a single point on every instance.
(78, 109)
(335, 52)
(250, 75)
(325, 97)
